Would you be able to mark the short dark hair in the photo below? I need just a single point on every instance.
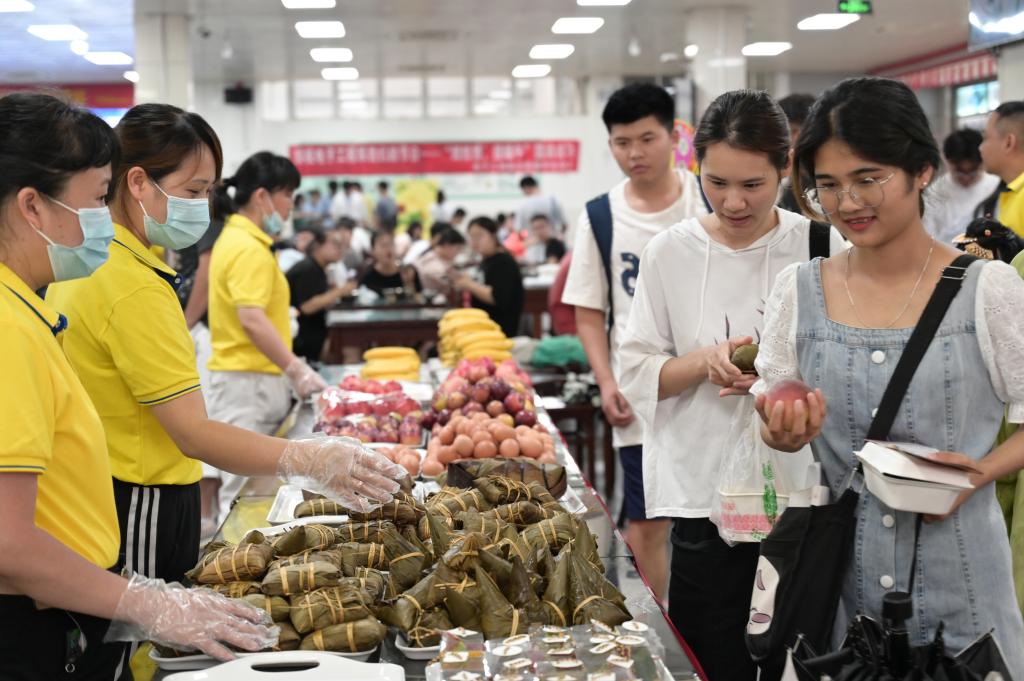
(378, 235)
(541, 216)
(459, 213)
(414, 225)
(745, 119)
(262, 170)
(639, 100)
(319, 238)
(382, 185)
(346, 223)
(880, 119)
(484, 222)
(1013, 110)
(332, 185)
(450, 237)
(44, 141)
(440, 196)
(962, 145)
(796, 106)
(528, 181)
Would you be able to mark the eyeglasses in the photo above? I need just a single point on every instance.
(866, 193)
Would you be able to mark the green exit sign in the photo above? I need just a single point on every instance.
(855, 7)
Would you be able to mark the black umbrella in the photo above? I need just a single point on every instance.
(873, 652)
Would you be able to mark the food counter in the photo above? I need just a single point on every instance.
(257, 497)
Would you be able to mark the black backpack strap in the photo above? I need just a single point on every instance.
(599, 212)
(819, 239)
(945, 291)
(987, 207)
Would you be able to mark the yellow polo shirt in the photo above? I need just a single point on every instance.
(49, 428)
(128, 341)
(1011, 206)
(244, 273)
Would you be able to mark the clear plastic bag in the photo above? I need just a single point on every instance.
(755, 481)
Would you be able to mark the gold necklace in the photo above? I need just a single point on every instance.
(846, 284)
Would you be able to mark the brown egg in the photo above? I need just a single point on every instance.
(485, 450)
(547, 457)
(447, 435)
(447, 455)
(481, 435)
(432, 467)
(463, 446)
(509, 448)
(503, 432)
(530, 446)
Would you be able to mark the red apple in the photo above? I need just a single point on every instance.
(428, 419)
(500, 389)
(480, 393)
(495, 408)
(514, 403)
(456, 400)
(526, 418)
(789, 391)
(392, 387)
(472, 408)
(477, 372)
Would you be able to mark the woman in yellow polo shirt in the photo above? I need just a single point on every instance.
(252, 365)
(130, 344)
(58, 535)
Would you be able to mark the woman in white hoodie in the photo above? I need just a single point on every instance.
(699, 296)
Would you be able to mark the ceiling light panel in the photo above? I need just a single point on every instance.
(329, 54)
(577, 25)
(320, 29)
(765, 49)
(827, 22)
(308, 4)
(553, 51)
(531, 70)
(108, 58)
(57, 32)
(340, 73)
(602, 3)
(16, 6)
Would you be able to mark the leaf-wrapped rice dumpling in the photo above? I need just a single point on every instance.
(473, 521)
(304, 538)
(297, 579)
(405, 560)
(556, 596)
(332, 556)
(438, 532)
(321, 506)
(406, 608)
(462, 609)
(498, 618)
(427, 631)
(499, 491)
(350, 637)
(232, 564)
(521, 513)
(552, 476)
(275, 606)
(235, 589)
(369, 580)
(451, 501)
(288, 639)
(321, 608)
(362, 532)
(397, 512)
(585, 544)
(362, 555)
(464, 552)
(552, 533)
(592, 596)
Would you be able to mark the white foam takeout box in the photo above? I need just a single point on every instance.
(902, 476)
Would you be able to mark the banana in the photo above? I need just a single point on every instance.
(463, 325)
(496, 355)
(390, 366)
(505, 345)
(464, 340)
(464, 312)
(389, 352)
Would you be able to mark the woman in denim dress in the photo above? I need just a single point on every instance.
(863, 159)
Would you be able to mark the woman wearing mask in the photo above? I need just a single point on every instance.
(59, 535)
(501, 294)
(129, 343)
(311, 290)
(864, 158)
(435, 267)
(386, 272)
(699, 296)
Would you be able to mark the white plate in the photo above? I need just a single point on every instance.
(199, 662)
(283, 510)
(413, 653)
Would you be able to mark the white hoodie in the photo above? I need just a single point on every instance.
(694, 292)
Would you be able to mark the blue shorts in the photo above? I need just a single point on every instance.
(633, 504)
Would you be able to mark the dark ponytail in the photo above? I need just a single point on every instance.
(745, 119)
(44, 141)
(262, 170)
(158, 138)
(878, 118)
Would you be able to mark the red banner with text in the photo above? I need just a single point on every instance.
(528, 156)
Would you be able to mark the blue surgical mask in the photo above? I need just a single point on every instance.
(273, 224)
(187, 221)
(75, 262)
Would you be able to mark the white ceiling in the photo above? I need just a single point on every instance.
(468, 37)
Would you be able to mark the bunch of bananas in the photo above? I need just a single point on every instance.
(468, 333)
(391, 363)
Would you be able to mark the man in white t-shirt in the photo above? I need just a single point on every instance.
(654, 197)
(951, 199)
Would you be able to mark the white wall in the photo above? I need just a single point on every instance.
(243, 132)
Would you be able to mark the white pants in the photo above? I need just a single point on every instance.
(254, 401)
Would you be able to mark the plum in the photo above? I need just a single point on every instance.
(788, 391)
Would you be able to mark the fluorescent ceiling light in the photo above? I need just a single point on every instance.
(79, 47)
(16, 6)
(602, 3)
(531, 70)
(340, 73)
(577, 25)
(331, 54)
(57, 32)
(320, 29)
(553, 51)
(827, 22)
(765, 49)
(691, 50)
(500, 94)
(108, 58)
(132, 76)
(308, 4)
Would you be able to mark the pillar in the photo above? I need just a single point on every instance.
(163, 59)
(720, 33)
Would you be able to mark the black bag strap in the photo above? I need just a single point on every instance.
(599, 212)
(819, 240)
(945, 291)
(987, 207)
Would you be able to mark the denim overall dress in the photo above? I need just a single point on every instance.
(963, 570)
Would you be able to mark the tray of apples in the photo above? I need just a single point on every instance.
(391, 418)
(480, 385)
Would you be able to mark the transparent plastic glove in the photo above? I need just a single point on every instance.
(189, 619)
(341, 468)
(304, 380)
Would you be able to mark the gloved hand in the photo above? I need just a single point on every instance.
(189, 619)
(304, 380)
(341, 468)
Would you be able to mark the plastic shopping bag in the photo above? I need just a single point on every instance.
(755, 481)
